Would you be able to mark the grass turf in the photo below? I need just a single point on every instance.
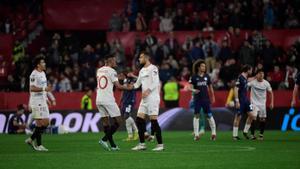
(81, 151)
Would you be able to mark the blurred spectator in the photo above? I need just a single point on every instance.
(7, 26)
(246, 54)
(64, 83)
(18, 52)
(229, 71)
(225, 52)
(275, 77)
(207, 27)
(86, 101)
(115, 23)
(154, 23)
(166, 23)
(16, 124)
(268, 56)
(211, 51)
(171, 93)
(165, 72)
(179, 20)
(187, 45)
(125, 25)
(119, 51)
(197, 53)
(172, 44)
(215, 80)
(185, 74)
(269, 16)
(257, 40)
(196, 21)
(140, 22)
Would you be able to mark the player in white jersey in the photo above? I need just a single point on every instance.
(106, 79)
(38, 103)
(258, 96)
(149, 80)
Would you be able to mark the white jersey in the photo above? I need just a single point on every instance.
(149, 79)
(38, 79)
(259, 91)
(106, 76)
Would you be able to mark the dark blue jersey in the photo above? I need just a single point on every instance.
(241, 83)
(128, 96)
(298, 79)
(11, 127)
(201, 83)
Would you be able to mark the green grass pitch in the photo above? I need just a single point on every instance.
(81, 151)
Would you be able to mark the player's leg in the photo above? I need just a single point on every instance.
(262, 123)
(256, 111)
(202, 123)
(125, 112)
(114, 112)
(197, 108)
(251, 116)
(236, 123)
(45, 124)
(141, 125)
(106, 127)
(211, 121)
(157, 131)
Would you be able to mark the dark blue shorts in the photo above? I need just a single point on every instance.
(205, 106)
(245, 107)
(126, 110)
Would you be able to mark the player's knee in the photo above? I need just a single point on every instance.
(197, 115)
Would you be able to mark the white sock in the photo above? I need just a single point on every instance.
(196, 126)
(128, 127)
(212, 125)
(235, 131)
(247, 127)
(133, 125)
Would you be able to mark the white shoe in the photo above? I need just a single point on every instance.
(115, 148)
(30, 143)
(41, 148)
(139, 147)
(104, 145)
(159, 147)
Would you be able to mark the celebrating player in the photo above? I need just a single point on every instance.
(149, 80)
(242, 103)
(105, 101)
(259, 88)
(38, 103)
(201, 86)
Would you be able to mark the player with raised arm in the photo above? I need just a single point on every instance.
(201, 86)
(242, 103)
(38, 103)
(149, 80)
(106, 79)
(258, 97)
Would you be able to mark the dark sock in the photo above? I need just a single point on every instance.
(108, 136)
(141, 125)
(39, 131)
(114, 128)
(152, 130)
(252, 128)
(262, 125)
(34, 134)
(157, 131)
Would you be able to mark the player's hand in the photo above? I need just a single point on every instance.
(130, 87)
(146, 93)
(271, 106)
(196, 91)
(213, 100)
(237, 105)
(49, 102)
(53, 103)
(131, 74)
(48, 89)
(293, 103)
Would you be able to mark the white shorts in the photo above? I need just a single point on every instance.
(39, 110)
(149, 108)
(111, 110)
(260, 110)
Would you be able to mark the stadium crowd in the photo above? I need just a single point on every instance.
(71, 65)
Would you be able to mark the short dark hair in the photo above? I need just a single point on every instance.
(258, 71)
(246, 68)
(37, 60)
(146, 53)
(108, 56)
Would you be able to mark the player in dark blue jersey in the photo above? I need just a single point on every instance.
(242, 103)
(296, 91)
(127, 105)
(201, 86)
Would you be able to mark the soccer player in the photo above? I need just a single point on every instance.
(201, 86)
(258, 96)
(106, 79)
(296, 91)
(38, 103)
(128, 102)
(149, 80)
(242, 103)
